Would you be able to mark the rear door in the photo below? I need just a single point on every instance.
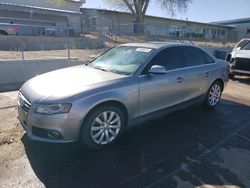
(161, 91)
(199, 69)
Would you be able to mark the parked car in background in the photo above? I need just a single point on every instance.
(8, 29)
(125, 85)
(239, 59)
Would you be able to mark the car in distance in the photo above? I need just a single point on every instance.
(239, 59)
(94, 103)
(9, 29)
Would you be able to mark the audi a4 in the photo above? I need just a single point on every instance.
(128, 84)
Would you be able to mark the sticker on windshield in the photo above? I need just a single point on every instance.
(143, 49)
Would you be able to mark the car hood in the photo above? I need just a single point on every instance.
(66, 83)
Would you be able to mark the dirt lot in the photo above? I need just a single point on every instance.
(189, 148)
(28, 55)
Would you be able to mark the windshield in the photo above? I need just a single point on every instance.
(122, 59)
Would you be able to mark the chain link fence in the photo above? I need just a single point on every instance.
(27, 42)
(122, 33)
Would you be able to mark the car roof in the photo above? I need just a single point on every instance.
(156, 45)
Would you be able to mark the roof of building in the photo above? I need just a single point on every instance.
(40, 8)
(172, 19)
(234, 21)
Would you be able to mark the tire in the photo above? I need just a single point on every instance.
(100, 130)
(3, 32)
(213, 95)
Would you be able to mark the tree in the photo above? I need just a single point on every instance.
(139, 7)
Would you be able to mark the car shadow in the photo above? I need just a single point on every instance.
(143, 154)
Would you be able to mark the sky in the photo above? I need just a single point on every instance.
(198, 10)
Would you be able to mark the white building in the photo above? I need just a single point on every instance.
(241, 27)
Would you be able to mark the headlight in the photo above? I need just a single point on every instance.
(53, 109)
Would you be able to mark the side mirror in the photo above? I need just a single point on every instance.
(157, 69)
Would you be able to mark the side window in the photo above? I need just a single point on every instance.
(208, 59)
(246, 47)
(170, 58)
(193, 56)
(242, 43)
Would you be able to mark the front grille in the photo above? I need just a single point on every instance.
(242, 64)
(23, 102)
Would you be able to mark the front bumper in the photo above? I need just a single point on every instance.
(67, 128)
(240, 66)
(240, 72)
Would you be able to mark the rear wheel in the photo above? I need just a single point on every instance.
(213, 95)
(3, 32)
(102, 127)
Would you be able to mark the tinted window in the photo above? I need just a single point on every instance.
(242, 43)
(246, 47)
(208, 59)
(170, 58)
(193, 56)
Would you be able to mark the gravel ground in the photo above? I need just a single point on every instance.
(200, 149)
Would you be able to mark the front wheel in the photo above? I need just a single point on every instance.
(102, 127)
(213, 95)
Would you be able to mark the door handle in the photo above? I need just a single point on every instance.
(180, 79)
(206, 74)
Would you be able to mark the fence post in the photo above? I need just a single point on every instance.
(21, 42)
(155, 32)
(132, 30)
(116, 32)
(68, 47)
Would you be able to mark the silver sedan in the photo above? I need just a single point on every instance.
(128, 84)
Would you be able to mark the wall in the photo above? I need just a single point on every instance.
(219, 53)
(14, 73)
(46, 43)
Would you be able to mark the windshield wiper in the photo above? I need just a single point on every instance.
(100, 68)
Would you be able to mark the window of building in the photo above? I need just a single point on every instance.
(248, 31)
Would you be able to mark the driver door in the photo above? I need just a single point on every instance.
(159, 91)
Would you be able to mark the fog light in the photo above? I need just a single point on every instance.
(53, 134)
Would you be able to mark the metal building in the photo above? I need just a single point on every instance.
(42, 17)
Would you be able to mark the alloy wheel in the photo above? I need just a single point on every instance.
(214, 95)
(105, 127)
